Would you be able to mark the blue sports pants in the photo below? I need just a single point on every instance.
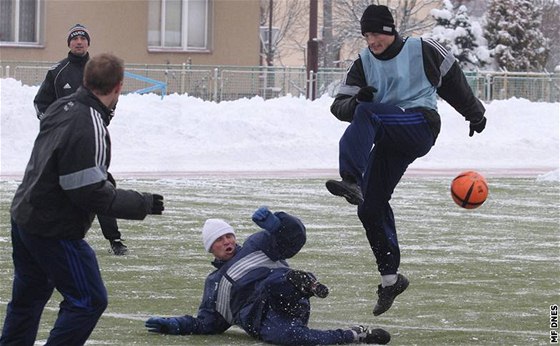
(286, 317)
(376, 149)
(40, 266)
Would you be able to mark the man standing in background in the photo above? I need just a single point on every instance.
(63, 79)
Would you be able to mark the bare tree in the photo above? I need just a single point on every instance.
(330, 48)
(341, 36)
(286, 15)
(411, 17)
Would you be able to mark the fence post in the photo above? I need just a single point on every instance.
(311, 85)
(183, 73)
(550, 87)
(505, 97)
(215, 96)
(488, 82)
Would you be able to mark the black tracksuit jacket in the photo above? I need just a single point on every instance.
(63, 79)
(65, 182)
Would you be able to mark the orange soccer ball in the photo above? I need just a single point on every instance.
(469, 190)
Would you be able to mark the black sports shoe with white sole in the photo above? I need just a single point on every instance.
(349, 190)
(388, 294)
(365, 335)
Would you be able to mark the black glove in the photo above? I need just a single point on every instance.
(477, 126)
(366, 94)
(154, 203)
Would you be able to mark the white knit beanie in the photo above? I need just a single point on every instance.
(212, 230)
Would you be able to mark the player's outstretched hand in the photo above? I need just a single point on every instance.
(264, 218)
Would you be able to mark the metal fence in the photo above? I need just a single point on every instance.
(225, 83)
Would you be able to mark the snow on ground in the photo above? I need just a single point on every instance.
(179, 133)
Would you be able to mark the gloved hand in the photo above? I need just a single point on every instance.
(366, 94)
(477, 126)
(264, 218)
(163, 325)
(154, 203)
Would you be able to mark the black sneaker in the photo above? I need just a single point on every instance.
(349, 190)
(118, 248)
(388, 294)
(370, 336)
(307, 283)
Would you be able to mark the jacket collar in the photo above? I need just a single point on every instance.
(85, 96)
(76, 59)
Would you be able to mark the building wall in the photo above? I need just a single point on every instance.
(121, 27)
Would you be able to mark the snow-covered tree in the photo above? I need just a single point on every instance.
(455, 31)
(514, 36)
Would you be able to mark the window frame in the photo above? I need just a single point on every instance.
(184, 46)
(39, 14)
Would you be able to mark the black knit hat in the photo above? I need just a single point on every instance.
(78, 30)
(378, 18)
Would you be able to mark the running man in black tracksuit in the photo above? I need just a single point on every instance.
(63, 79)
(65, 184)
(389, 98)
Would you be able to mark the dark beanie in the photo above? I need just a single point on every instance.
(78, 30)
(377, 18)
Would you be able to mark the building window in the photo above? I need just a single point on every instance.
(179, 25)
(19, 22)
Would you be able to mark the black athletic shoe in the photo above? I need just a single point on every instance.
(118, 248)
(349, 190)
(377, 336)
(371, 336)
(307, 283)
(388, 294)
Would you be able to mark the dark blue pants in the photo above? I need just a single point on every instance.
(285, 318)
(376, 149)
(40, 266)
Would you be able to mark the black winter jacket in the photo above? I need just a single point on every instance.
(63, 79)
(451, 84)
(65, 182)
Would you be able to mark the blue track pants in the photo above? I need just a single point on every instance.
(40, 266)
(376, 149)
(284, 320)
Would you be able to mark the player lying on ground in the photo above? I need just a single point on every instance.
(254, 288)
